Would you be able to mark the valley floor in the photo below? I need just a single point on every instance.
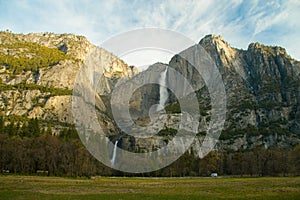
(36, 187)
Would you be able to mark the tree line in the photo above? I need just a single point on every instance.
(30, 149)
(31, 86)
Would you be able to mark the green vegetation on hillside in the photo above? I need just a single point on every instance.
(167, 132)
(20, 57)
(271, 128)
(173, 108)
(30, 86)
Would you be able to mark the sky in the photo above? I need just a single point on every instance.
(240, 22)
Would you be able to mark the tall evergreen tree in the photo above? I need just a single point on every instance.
(1, 124)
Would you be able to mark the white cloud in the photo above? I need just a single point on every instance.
(239, 21)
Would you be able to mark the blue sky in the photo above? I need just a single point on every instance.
(271, 22)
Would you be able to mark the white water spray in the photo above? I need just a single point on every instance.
(113, 159)
(163, 91)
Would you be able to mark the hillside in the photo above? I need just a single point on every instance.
(262, 86)
(37, 78)
(38, 72)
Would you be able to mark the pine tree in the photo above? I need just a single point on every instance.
(49, 130)
(34, 128)
(1, 124)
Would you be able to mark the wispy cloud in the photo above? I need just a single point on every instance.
(239, 21)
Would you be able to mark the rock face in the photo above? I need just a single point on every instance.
(45, 93)
(262, 87)
(75, 46)
(262, 83)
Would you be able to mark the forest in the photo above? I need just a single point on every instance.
(27, 148)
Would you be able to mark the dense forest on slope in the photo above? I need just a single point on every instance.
(30, 149)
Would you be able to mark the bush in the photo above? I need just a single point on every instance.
(167, 132)
(173, 108)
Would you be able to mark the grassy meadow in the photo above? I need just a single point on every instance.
(37, 187)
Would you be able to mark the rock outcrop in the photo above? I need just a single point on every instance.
(45, 93)
(262, 87)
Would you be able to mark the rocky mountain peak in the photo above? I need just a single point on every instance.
(262, 86)
(267, 50)
(214, 41)
(262, 89)
(220, 51)
(211, 38)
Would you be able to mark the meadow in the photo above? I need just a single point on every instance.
(38, 187)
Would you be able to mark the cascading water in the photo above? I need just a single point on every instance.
(163, 91)
(113, 159)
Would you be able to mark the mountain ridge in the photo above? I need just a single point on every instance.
(259, 83)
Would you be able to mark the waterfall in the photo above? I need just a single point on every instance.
(163, 91)
(113, 159)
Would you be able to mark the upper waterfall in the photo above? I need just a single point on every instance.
(163, 91)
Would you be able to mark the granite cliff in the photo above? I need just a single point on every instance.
(262, 87)
(38, 73)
